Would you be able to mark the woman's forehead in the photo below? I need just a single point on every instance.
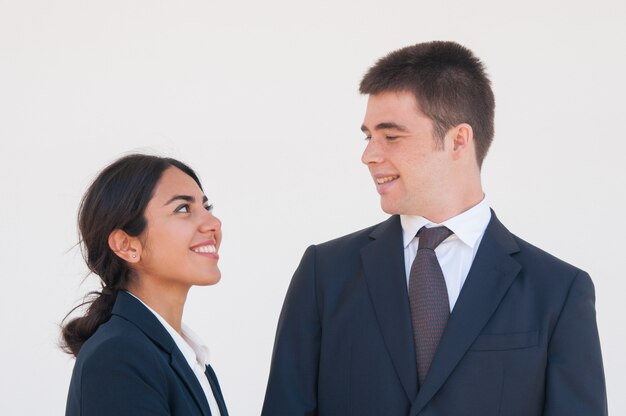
(176, 182)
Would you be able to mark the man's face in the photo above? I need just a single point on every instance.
(408, 164)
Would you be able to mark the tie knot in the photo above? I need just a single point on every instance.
(431, 237)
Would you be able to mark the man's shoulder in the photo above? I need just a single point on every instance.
(357, 238)
(529, 255)
(538, 265)
(538, 268)
(536, 258)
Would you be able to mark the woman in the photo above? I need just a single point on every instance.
(148, 232)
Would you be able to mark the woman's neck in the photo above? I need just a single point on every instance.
(167, 302)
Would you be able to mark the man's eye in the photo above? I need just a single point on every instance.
(391, 138)
(209, 207)
(368, 138)
(184, 208)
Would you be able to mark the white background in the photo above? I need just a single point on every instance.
(260, 97)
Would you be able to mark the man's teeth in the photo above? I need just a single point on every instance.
(386, 179)
(205, 249)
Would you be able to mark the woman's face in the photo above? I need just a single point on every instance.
(181, 241)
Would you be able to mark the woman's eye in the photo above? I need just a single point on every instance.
(209, 207)
(184, 208)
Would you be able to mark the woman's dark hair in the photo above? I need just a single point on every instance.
(116, 199)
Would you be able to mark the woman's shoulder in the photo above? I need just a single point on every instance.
(119, 361)
(120, 342)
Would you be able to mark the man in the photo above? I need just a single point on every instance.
(439, 310)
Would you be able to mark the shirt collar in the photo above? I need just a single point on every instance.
(190, 344)
(195, 342)
(468, 226)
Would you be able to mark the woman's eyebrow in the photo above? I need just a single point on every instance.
(187, 198)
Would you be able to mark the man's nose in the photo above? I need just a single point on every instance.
(372, 152)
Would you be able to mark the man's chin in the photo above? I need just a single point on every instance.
(389, 208)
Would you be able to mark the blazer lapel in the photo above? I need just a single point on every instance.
(489, 278)
(131, 309)
(180, 365)
(217, 392)
(383, 265)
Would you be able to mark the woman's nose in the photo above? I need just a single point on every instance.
(210, 223)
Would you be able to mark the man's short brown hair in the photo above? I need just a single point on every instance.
(448, 82)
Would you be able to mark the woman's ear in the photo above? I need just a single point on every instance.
(124, 246)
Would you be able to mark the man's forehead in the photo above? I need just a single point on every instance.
(390, 110)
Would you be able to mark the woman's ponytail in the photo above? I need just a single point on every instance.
(78, 330)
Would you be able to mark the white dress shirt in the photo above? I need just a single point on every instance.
(196, 354)
(456, 253)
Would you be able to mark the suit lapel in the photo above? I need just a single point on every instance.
(217, 392)
(383, 265)
(181, 367)
(131, 309)
(490, 276)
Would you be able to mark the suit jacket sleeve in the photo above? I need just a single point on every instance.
(120, 379)
(292, 385)
(575, 377)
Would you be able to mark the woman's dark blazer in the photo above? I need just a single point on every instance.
(132, 366)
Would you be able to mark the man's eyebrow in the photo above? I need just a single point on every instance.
(386, 126)
(187, 198)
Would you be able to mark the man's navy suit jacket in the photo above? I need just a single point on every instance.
(521, 341)
(132, 366)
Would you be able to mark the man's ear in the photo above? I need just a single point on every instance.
(462, 140)
(124, 246)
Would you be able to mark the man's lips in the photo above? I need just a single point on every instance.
(384, 179)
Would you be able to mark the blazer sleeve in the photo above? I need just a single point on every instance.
(292, 384)
(575, 377)
(118, 378)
